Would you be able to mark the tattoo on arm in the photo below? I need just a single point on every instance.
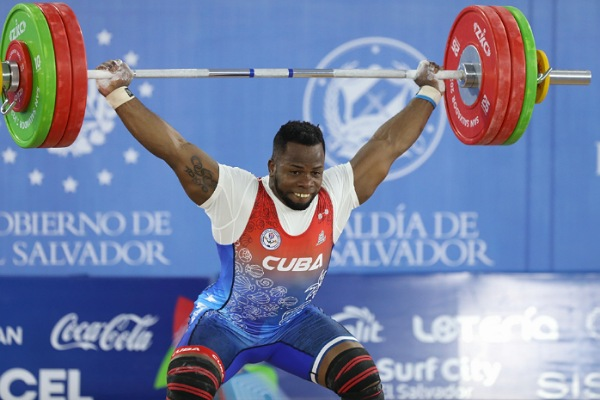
(200, 175)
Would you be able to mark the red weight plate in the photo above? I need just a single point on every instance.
(63, 75)
(518, 75)
(17, 51)
(479, 121)
(79, 74)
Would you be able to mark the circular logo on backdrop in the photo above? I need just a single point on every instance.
(592, 323)
(270, 239)
(349, 111)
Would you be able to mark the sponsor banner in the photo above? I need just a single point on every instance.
(84, 338)
(464, 336)
(442, 336)
(106, 207)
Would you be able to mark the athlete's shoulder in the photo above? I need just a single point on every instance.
(234, 183)
(235, 174)
(339, 177)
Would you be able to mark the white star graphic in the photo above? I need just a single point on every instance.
(36, 178)
(105, 178)
(70, 185)
(9, 156)
(146, 89)
(131, 156)
(131, 58)
(104, 38)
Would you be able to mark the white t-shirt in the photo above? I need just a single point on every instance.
(230, 205)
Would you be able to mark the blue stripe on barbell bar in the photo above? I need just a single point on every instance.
(251, 72)
(290, 73)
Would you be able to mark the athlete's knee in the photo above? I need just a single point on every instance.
(195, 372)
(353, 375)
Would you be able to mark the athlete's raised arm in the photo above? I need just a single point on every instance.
(373, 161)
(196, 170)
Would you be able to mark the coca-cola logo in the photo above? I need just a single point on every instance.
(124, 332)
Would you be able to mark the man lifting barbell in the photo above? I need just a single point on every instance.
(275, 235)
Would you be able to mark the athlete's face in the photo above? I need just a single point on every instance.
(296, 175)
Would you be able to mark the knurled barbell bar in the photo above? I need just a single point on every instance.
(495, 75)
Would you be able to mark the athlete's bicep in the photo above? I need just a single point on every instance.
(197, 172)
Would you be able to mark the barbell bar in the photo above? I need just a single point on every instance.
(276, 73)
(10, 74)
(493, 70)
(10, 77)
(556, 77)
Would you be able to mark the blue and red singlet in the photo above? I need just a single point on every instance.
(273, 262)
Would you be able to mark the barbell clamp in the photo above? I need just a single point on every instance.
(10, 83)
(10, 76)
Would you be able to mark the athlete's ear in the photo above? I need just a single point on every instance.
(271, 166)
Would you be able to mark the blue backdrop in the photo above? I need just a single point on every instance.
(107, 210)
(105, 207)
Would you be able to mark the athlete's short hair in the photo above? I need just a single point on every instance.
(301, 132)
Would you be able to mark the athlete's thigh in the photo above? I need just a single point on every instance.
(215, 332)
(306, 340)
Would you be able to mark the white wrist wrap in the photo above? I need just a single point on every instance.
(430, 94)
(119, 97)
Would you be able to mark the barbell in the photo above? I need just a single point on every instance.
(494, 75)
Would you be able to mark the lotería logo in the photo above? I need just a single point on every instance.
(527, 326)
(270, 239)
(349, 111)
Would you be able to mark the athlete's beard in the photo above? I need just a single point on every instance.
(291, 204)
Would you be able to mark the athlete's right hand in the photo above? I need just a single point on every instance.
(122, 76)
(426, 76)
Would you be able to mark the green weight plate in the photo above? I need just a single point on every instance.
(27, 23)
(531, 75)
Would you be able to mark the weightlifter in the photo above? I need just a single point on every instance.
(274, 236)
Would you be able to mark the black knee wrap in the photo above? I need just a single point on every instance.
(353, 375)
(192, 375)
